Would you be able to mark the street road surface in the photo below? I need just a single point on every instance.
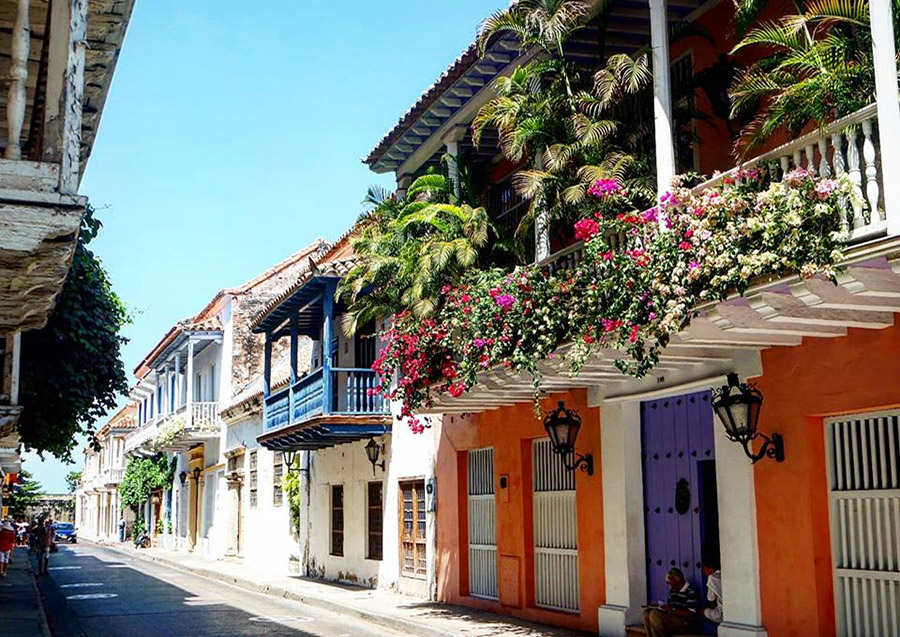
(96, 592)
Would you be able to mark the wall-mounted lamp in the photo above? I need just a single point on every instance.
(737, 404)
(197, 472)
(183, 477)
(289, 457)
(373, 451)
(562, 426)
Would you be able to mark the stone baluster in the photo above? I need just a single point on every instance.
(872, 188)
(853, 169)
(797, 157)
(837, 142)
(785, 166)
(811, 157)
(824, 166)
(16, 100)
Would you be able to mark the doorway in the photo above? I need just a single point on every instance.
(680, 512)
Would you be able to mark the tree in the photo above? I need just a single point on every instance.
(25, 495)
(410, 248)
(72, 480)
(72, 370)
(818, 67)
(142, 477)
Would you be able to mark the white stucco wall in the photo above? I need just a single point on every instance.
(267, 542)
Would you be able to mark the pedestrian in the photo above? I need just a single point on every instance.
(43, 542)
(121, 529)
(7, 542)
(678, 613)
(713, 609)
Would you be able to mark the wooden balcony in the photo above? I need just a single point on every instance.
(350, 392)
(57, 60)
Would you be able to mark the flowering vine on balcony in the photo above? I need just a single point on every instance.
(692, 249)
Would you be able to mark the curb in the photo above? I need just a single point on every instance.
(45, 625)
(404, 626)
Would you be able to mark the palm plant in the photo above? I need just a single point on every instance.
(409, 249)
(818, 67)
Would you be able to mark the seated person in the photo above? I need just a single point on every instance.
(679, 611)
(713, 609)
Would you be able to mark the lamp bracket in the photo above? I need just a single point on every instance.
(585, 463)
(772, 448)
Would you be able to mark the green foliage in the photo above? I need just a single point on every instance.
(26, 495)
(72, 480)
(290, 483)
(818, 66)
(142, 477)
(72, 370)
(140, 527)
(411, 248)
(560, 119)
(159, 526)
(629, 294)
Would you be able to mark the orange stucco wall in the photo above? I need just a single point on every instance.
(510, 431)
(801, 386)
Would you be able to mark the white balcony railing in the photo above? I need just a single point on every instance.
(848, 146)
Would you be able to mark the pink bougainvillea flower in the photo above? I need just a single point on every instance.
(684, 245)
(826, 188)
(586, 229)
(479, 342)
(605, 188)
(588, 339)
(456, 390)
(505, 301)
(634, 333)
(693, 265)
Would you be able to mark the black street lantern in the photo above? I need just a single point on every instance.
(373, 451)
(737, 404)
(183, 477)
(197, 472)
(289, 457)
(562, 426)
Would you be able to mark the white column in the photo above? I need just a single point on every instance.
(662, 96)
(18, 79)
(541, 222)
(623, 518)
(451, 142)
(178, 379)
(190, 383)
(888, 101)
(16, 368)
(735, 485)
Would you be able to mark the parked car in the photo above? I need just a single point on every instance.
(66, 532)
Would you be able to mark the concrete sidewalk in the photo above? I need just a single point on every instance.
(400, 613)
(21, 609)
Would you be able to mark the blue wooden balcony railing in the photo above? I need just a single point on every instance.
(351, 391)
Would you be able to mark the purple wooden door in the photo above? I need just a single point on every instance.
(680, 517)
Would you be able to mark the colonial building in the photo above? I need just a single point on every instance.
(97, 507)
(57, 58)
(366, 488)
(198, 367)
(807, 545)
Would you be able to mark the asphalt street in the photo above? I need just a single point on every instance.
(91, 591)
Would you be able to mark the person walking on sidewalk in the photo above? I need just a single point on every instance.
(43, 542)
(7, 542)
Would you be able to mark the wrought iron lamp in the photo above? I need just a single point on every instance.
(183, 477)
(289, 457)
(373, 451)
(562, 426)
(737, 404)
(197, 472)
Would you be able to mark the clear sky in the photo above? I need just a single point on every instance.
(233, 134)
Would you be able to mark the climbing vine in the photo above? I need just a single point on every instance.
(142, 477)
(628, 294)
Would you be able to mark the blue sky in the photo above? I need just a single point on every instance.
(233, 134)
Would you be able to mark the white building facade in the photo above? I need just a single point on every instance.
(97, 507)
